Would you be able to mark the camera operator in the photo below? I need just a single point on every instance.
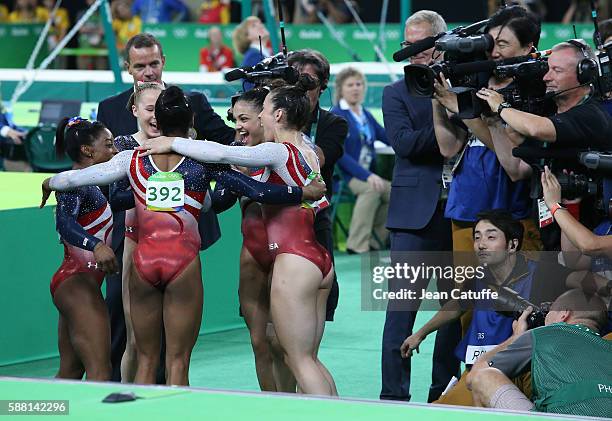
(479, 181)
(569, 362)
(580, 123)
(497, 241)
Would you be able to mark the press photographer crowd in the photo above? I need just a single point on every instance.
(503, 161)
(523, 137)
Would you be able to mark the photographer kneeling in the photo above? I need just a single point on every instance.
(569, 361)
(497, 240)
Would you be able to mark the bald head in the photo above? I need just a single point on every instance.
(575, 306)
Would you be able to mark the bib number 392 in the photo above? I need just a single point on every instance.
(165, 192)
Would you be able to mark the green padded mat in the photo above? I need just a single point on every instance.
(21, 190)
(189, 403)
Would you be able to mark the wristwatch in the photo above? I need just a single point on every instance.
(502, 106)
(557, 206)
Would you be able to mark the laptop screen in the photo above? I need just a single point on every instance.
(52, 111)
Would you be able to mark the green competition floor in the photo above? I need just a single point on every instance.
(84, 402)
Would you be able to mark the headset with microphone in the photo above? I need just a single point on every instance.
(587, 68)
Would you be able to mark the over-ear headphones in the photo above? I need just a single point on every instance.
(587, 68)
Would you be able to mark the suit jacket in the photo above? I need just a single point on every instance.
(417, 174)
(114, 114)
(330, 135)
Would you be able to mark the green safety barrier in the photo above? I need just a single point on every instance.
(83, 400)
(182, 42)
(30, 253)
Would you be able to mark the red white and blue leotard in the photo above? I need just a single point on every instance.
(83, 219)
(289, 228)
(168, 241)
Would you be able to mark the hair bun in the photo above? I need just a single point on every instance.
(306, 83)
(175, 97)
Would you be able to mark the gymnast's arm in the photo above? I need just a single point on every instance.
(121, 196)
(269, 193)
(67, 212)
(267, 154)
(96, 175)
(222, 199)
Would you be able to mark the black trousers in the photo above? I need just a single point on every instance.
(324, 235)
(436, 236)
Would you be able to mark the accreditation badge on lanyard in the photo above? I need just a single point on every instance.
(165, 192)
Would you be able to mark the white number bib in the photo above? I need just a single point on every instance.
(473, 352)
(165, 192)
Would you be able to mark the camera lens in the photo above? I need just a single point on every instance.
(419, 79)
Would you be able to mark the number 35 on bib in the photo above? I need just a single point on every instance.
(165, 192)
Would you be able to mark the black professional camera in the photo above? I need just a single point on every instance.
(604, 81)
(461, 45)
(510, 303)
(274, 67)
(580, 173)
(527, 93)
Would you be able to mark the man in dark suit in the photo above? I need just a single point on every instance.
(416, 217)
(145, 62)
(328, 132)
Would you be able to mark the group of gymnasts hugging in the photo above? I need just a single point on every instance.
(161, 178)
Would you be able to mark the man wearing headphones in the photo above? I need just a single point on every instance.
(580, 123)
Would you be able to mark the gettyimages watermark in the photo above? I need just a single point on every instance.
(412, 280)
(498, 281)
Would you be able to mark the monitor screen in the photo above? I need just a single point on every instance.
(52, 111)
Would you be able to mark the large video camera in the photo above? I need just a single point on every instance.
(526, 93)
(466, 68)
(460, 45)
(274, 67)
(510, 303)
